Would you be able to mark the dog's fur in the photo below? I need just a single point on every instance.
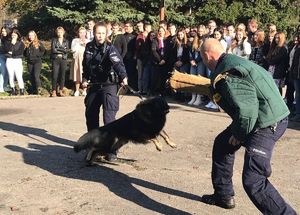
(142, 125)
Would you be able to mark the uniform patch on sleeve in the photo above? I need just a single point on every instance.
(114, 57)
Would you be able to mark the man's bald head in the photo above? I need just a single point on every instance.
(211, 50)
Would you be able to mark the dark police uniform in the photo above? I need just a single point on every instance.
(102, 68)
(249, 95)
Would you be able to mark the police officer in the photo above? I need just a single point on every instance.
(249, 95)
(103, 70)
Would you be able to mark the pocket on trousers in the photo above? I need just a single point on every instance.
(111, 102)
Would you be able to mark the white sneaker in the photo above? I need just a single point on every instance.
(76, 93)
(84, 93)
(213, 106)
(192, 100)
(197, 101)
(209, 104)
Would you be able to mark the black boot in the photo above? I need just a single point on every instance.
(22, 92)
(12, 92)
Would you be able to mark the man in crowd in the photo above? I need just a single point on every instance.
(118, 39)
(90, 27)
(212, 25)
(129, 59)
(248, 94)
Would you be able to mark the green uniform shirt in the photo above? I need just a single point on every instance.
(248, 93)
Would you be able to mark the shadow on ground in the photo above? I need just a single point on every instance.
(61, 160)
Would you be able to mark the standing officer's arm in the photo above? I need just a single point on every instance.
(239, 100)
(118, 65)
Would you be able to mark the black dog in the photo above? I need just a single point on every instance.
(142, 125)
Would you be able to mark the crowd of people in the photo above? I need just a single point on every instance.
(150, 56)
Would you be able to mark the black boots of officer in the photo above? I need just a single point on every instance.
(227, 203)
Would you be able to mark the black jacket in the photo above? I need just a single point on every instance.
(158, 54)
(100, 61)
(14, 51)
(130, 40)
(33, 54)
(119, 41)
(59, 49)
(295, 68)
(184, 58)
(281, 62)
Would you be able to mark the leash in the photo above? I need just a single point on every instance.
(123, 90)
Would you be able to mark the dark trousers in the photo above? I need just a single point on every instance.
(257, 168)
(158, 79)
(59, 67)
(34, 70)
(130, 65)
(97, 97)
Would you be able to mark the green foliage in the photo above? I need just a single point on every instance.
(45, 15)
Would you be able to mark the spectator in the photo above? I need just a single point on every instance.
(78, 46)
(295, 74)
(240, 46)
(219, 35)
(257, 52)
(290, 89)
(211, 27)
(179, 54)
(159, 56)
(278, 60)
(14, 49)
(164, 24)
(272, 28)
(146, 50)
(118, 39)
(252, 28)
(140, 40)
(201, 32)
(129, 59)
(3, 70)
(59, 55)
(147, 27)
(34, 50)
(90, 26)
(108, 28)
(197, 67)
(241, 27)
(230, 35)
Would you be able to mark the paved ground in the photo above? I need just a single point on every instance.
(40, 173)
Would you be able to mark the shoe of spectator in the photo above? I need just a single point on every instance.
(76, 93)
(12, 92)
(84, 93)
(209, 104)
(193, 99)
(22, 92)
(61, 94)
(53, 93)
(198, 101)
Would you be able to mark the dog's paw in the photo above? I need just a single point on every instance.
(158, 146)
(172, 144)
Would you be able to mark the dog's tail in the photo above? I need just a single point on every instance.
(88, 140)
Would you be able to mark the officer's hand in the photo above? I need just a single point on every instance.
(233, 141)
(84, 84)
(124, 82)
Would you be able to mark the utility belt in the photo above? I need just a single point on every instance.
(273, 126)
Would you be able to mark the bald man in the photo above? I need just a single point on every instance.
(248, 94)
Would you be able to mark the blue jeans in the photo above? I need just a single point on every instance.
(257, 168)
(297, 98)
(147, 77)
(3, 73)
(200, 69)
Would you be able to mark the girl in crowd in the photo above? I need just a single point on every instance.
(159, 56)
(197, 67)
(218, 34)
(257, 52)
(278, 60)
(59, 54)
(179, 55)
(77, 47)
(34, 50)
(147, 62)
(240, 46)
(201, 32)
(3, 71)
(295, 74)
(14, 49)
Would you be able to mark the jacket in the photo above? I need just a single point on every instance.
(99, 62)
(58, 49)
(295, 67)
(248, 94)
(281, 62)
(14, 51)
(158, 54)
(33, 54)
(120, 43)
